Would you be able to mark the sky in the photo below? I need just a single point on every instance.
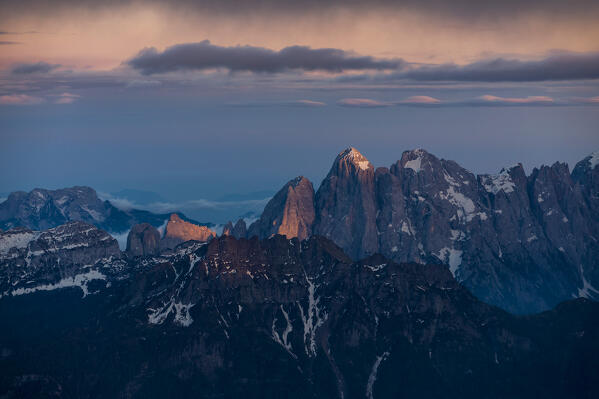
(197, 100)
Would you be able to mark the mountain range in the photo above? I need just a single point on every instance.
(521, 242)
(524, 243)
(418, 280)
(268, 318)
(42, 209)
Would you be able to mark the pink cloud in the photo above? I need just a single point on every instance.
(362, 103)
(420, 100)
(311, 103)
(20, 99)
(516, 100)
(66, 98)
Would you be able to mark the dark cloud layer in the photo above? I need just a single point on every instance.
(458, 8)
(37, 67)
(204, 55)
(566, 66)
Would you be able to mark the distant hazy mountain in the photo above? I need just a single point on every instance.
(521, 242)
(268, 319)
(42, 209)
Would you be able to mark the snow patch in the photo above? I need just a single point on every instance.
(414, 164)
(79, 280)
(373, 373)
(587, 288)
(283, 339)
(407, 228)
(312, 319)
(532, 238)
(17, 240)
(453, 257)
(496, 183)
(466, 208)
(540, 198)
(376, 268)
(363, 165)
(182, 316)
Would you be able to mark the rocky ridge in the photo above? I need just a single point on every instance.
(71, 255)
(521, 242)
(42, 209)
(280, 317)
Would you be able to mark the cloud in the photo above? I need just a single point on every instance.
(363, 103)
(487, 100)
(420, 100)
(284, 103)
(463, 9)
(167, 207)
(66, 98)
(516, 100)
(370, 103)
(309, 103)
(562, 66)
(143, 83)
(205, 56)
(592, 100)
(20, 99)
(6, 43)
(37, 67)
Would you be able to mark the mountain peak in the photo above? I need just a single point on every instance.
(299, 180)
(412, 159)
(175, 218)
(352, 156)
(290, 212)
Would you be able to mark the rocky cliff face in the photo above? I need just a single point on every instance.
(521, 242)
(290, 212)
(71, 255)
(143, 240)
(179, 231)
(345, 205)
(290, 318)
(239, 230)
(43, 209)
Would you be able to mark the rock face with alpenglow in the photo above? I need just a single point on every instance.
(143, 240)
(287, 318)
(520, 242)
(179, 231)
(64, 256)
(290, 212)
(346, 205)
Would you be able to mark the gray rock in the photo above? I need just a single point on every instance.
(239, 230)
(345, 205)
(70, 255)
(143, 240)
(524, 243)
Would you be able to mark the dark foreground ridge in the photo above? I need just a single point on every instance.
(267, 319)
